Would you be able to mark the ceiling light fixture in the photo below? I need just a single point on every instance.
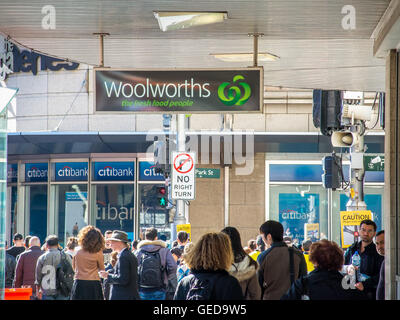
(243, 57)
(174, 20)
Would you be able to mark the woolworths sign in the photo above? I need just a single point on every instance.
(179, 91)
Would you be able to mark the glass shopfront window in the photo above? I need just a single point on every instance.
(298, 200)
(36, 210)
(114, 207)
(36, 199)
(113, 196)
(302, 210)
(71, 208)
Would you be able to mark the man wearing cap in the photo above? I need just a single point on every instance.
(18, 246)
(123, 278)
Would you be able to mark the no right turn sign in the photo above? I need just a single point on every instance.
(183, 176)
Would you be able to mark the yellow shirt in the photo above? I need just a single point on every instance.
(254, 255)
(310, 266)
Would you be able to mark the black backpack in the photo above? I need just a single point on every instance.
(151, 270)
(64, 276)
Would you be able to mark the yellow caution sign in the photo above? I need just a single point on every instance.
(185, 227)
(350, 223)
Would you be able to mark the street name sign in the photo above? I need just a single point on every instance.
(183, 175)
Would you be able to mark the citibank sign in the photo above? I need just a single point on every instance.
(36, 172)
(71, 171)
(114, 171)
(147, 172)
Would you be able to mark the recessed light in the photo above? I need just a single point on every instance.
(174, 20)
(243, 57)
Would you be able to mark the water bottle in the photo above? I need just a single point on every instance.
(356, 261)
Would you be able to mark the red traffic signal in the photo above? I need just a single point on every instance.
(161, 190)
(355, 233)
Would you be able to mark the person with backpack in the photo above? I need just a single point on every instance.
(52, 272)
(325, 282)
(243, 268)
(280, 265)
(209, 261)
(156, 267)
(87, 263)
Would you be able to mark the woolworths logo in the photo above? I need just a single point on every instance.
(238, 93)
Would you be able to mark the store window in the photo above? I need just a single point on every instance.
(71, 207)
(70, 198)
(298, 200)
(302, 210)
(113, 196)
(154, 202)
(36, 178)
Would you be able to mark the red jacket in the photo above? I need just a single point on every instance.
(26, 267)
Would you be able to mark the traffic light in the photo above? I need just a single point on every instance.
(327, 106)
(331, 178)
(162, 197)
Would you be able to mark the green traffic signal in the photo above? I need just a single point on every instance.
(163, 202)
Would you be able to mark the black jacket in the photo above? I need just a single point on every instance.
(225, 286)
(10, 270)
(123, 277)
(370, 265)
(15, 251)
(322, 285)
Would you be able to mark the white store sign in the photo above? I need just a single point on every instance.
(183, 175)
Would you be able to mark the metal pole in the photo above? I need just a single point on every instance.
(180, 217)
(101, 34)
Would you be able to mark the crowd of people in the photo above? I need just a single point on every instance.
(93, 266)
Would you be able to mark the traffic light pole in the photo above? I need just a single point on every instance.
(180, 217)
(357, 174)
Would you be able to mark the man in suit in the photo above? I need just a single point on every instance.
(123, 278)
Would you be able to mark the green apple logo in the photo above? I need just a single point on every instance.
(235, 96)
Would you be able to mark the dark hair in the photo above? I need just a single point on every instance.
(27, 238)
(150, 233)
(238, 252)
(183, 236)
(260, 243)
(327, 255)
(72, 243)
(252, 244)
(274, 228)
(369, 223)
(18, 236)
(176, 251)
(379, 233)
(135, 243)
(52, 240)
(306, 245)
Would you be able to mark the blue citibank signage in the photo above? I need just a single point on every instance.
(114, 171)
(12, 173)
(147, 172)
(36, 172)
(71, 171)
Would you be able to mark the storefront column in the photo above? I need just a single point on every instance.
(392, 181)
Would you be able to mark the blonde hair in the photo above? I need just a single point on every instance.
(212, 252)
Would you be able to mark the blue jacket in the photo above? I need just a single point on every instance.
(123, 277)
